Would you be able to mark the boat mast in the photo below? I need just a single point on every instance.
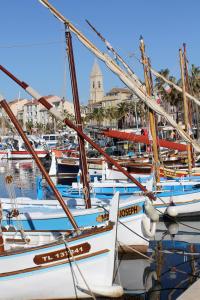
(186, 119)
(55, 113)
(15, 122)
(132, 83)
(130, 71)
(190, 104)
(82, 153)
(1, 233)
(148, 85)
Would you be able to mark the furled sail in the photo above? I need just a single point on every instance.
(178, 88)
(131, 73)
(144, 139)
(131, 82)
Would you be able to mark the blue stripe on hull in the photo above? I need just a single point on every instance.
(63, 223)
(51, 268)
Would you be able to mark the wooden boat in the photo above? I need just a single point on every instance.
(17, 150)
(69, 167)
(47, 215)
(65, 268)
(141, 170)
(80, 265)
(183, 195)
(177, 172)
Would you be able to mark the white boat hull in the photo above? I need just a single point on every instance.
(130, 229)
(75, 267)
(55, 280)
(186, 205)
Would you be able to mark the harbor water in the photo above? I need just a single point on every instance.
(171, 265)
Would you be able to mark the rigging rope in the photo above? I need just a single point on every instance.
(74, 260)
(14, 213)
(130, 81)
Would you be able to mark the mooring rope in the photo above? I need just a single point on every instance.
(82, 276)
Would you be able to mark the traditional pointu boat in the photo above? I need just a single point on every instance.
(79, 265)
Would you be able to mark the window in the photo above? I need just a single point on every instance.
(93, 84)
(99, 84)
(56, 104)
(46, 137)
(52, 138)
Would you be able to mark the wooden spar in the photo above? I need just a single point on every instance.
(57, 115)
(15, 122)
(151, 113)
(82, 154)
(110, 48)
(131, 72)
(108, 158)
(186, 120)
(187, 83)
(130, 81)
(1, 233)
(99, 34)
(190, 105)
(178, 88)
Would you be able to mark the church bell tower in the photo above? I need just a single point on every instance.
(96, 84)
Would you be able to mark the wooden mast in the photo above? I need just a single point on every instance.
(15, 122)
(131, 81)
(82, 153)
(58, 116)
(186, 119)
(187, 83)
(1, 233)
(190, 104)
(148, 85)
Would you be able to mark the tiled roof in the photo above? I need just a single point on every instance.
(120, 90)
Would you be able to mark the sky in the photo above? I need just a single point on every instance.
(32, 44)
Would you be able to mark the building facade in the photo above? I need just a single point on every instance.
(108, 101)
(34, 112)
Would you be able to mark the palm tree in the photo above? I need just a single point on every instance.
(194, 85)
(40, 127)
(88, 117)
(29, 126)
(98, 115)
(122, 112)
(49, 128)
(142, 113)
(111, 115)
(174, 98)
(194, 78)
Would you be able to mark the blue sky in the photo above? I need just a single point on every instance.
(32, 40)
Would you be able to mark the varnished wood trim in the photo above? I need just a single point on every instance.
(17, 241)
(61, 254)
(42, 230)
(86, 233)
